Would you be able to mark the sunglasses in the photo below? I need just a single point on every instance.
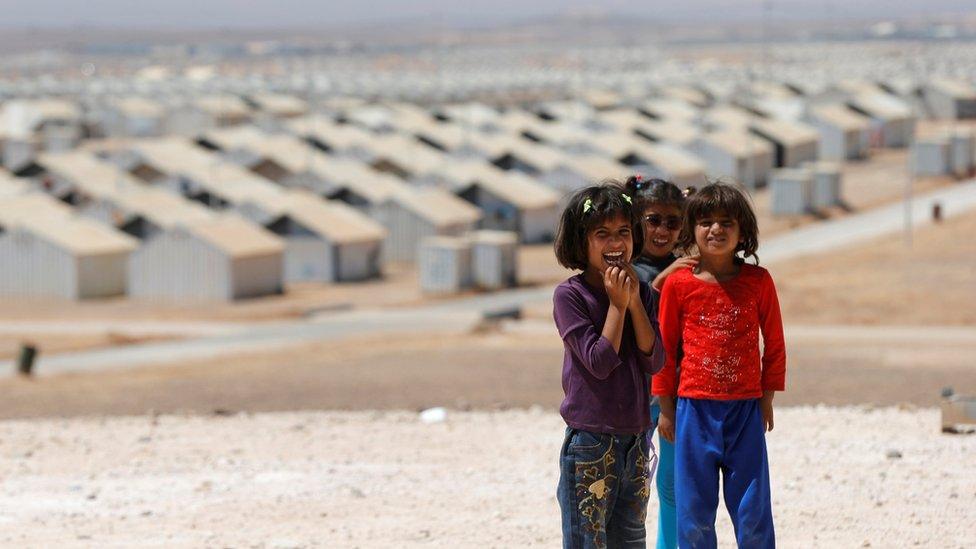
(671, 222)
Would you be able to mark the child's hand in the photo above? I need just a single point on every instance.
(766, 407)
(678, 264)
(618, 285)
(635, 299)
(665, 425)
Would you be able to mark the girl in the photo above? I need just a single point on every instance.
(662, 205)
(717, 310)
(610, 350)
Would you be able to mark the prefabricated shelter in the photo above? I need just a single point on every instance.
(28, 126)
(412, 214)
(219, 259)
(675, 131)
(445, 264)
(951, 99)
(133, 116)
(569, 137)
(844, 134)
(668, 109)
(727, 117)
(793, 142)
(326, 135)
(376, 118)
(792, 191)
(690, 95)
(208, 178)
(44, 120)
(825, 191)
(307, 167)
(402, 156)
(654, 159)
(205, 112)
(602, 99)
(575, 172)
(244, 145)
(45, 252)
(893, 124)
(930, 156)
(13, 186)
(277, 105)
(511, 153)
(494, 259)
(736, 155)
(576, 112)
(962, 148)
(327, 241)
(473, 115)
(106, 193)
(509, 201)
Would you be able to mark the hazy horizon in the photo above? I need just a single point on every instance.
(264, 14)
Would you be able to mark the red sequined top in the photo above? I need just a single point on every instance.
(718, 326)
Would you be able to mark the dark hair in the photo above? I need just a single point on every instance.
(654, 191)
(729, 199)
(606, 201)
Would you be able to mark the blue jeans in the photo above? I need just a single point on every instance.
(667, 515)
(604, 484)
(715, 437)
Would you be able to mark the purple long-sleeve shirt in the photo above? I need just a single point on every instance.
(606, 391)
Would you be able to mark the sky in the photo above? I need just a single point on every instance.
(196, 14)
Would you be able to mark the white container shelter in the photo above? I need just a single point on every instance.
(844, 134)
(930, 156)
(826, 190)
(494, 259)
(735, 155)
(220, 259)
(792, 191)
(445, 264)
(46, 252)
(413, 214)
(793, 142)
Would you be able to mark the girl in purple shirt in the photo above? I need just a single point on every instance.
(611, 349)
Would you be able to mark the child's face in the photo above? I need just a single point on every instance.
(717, 234)
(662, 224)
(610, 243)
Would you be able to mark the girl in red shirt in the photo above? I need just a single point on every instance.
(717, 413)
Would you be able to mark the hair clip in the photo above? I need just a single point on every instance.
(587, 205)
(627, 198)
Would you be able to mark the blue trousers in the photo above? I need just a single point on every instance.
(604, 485)
(726, 437)
(667, 515)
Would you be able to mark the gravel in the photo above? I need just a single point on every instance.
(477, 479)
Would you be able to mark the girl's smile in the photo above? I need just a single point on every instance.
(662, 224)
(610, 244)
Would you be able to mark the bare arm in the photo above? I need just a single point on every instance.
(665, 422)
(681, 263)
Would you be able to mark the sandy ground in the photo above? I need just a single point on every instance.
(481, 479)
(932, 281)
(518, 367)
(11, 344)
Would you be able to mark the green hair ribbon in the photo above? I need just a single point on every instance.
(587, 205)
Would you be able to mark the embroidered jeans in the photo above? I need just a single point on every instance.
(604, 484)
